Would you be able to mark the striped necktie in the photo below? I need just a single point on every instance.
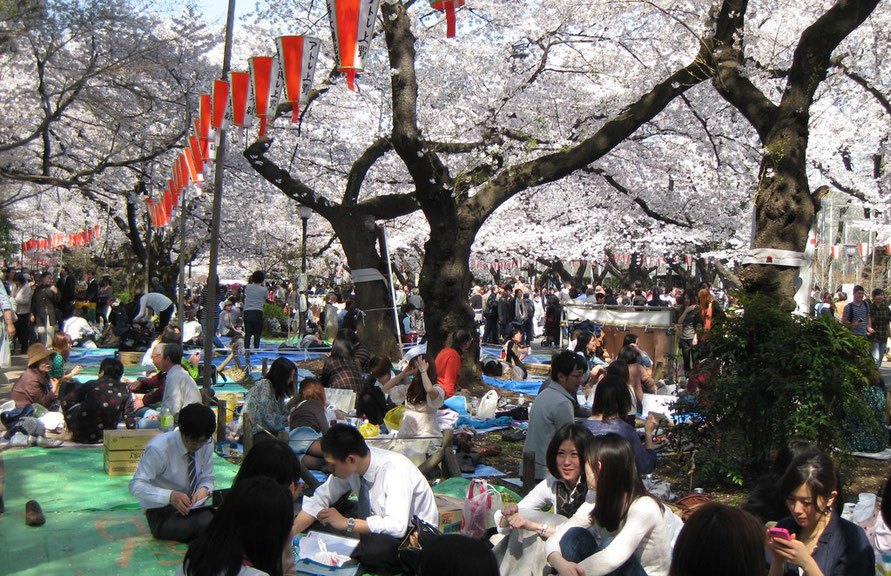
(193, 473)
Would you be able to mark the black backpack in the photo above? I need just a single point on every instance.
(491, 307)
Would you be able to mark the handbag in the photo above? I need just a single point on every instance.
(421, 534)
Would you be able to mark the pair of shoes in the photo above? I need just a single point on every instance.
(34, 514)
(45, 442)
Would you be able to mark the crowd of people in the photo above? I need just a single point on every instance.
(589, 512)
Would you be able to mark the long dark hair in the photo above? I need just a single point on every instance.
(416, 393)
(460, 339)
(253, 524)
(581, 343)
(618, 484)
(718, 539)
(279, 375)
(818, 472)
(270, 459)
(612, 397)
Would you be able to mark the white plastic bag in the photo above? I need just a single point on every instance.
(482, 501)
(5, 359)
(488, 405)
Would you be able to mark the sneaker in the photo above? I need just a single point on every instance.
(34, 514)
(45, 442)
(20, 440)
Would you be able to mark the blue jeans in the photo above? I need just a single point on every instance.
(878, 350)
(578, 544)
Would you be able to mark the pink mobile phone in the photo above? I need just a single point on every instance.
(781, 533)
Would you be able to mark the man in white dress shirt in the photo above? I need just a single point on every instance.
(179, 388)
(175, 476)
(390, 489)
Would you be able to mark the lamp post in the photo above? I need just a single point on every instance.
(304, 212)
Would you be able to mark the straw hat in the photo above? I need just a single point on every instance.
(37, 352)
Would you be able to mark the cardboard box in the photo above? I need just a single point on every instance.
(123, 455)
(131, 358)
(451, 513)
(123, 439)
(118, 468)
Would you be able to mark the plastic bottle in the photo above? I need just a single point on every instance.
(166, 419)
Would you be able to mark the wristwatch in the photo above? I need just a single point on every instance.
(351, 525)
(542, 530)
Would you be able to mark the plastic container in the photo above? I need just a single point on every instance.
(165, 419)
(231, 405)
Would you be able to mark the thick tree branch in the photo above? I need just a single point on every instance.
(382, 207)
(642, 204)
(814, 50)
(360, 169)
(551, 167)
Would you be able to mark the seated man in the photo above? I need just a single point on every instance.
(555, 406)
(179, 388)
(98, 405)
(391, 491)
(175, 474)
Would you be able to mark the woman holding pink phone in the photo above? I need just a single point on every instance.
(818, 542)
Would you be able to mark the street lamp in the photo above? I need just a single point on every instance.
(304, 212)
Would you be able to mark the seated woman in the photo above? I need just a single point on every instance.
(34, 385)
(62, 347)
(611, 403)
(98, 405)
(821, 541)
(265, 401)
(448, 361)
(247, 534)
(308, 421)
(552, 502)
(341, 370)
(625, 531)
(718, 539)
(513, 353)
(374, 401)
(765, 501)
(639, 378)
(586, 346)
(422, 398)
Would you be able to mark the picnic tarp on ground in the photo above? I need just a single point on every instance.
(93, 524)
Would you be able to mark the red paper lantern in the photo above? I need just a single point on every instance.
(265, 86)
(202, 126)
(352, 23)
(448, 6)
(240, 106)
(297, 56)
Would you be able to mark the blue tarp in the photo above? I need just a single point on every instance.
(529, 387)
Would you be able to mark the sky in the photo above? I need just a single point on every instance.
(215, 10)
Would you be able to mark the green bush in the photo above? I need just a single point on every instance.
(774, 376)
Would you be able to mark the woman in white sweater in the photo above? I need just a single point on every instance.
(526, 526)
(624, 533)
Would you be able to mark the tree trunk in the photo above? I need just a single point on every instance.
(785, 211)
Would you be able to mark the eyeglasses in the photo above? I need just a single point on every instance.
(197, 441)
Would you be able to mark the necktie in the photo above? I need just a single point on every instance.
(364, 499)
(193, 473)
